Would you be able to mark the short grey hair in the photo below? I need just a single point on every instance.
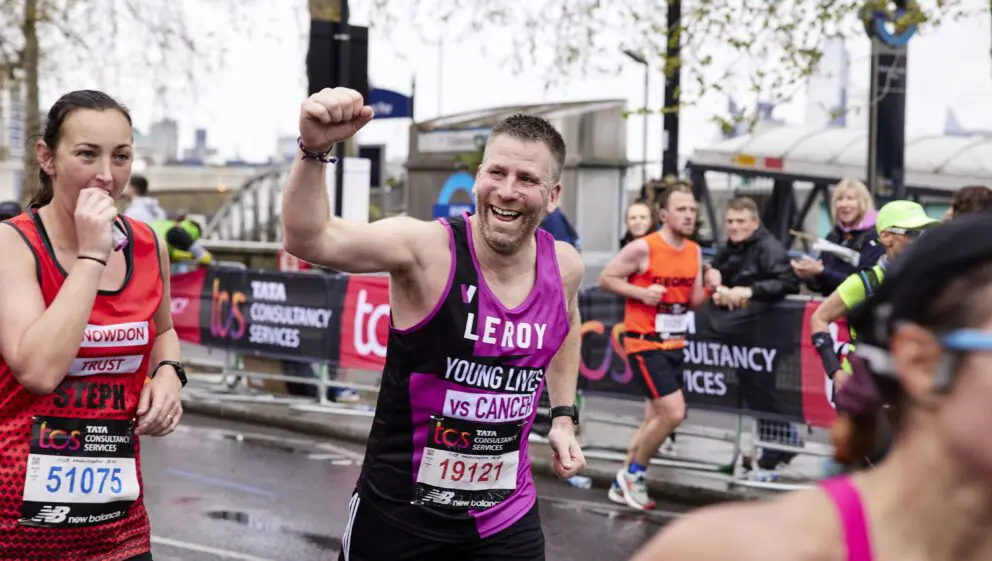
(533, 129)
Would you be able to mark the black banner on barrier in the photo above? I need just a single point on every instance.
(734, 360)
(286, 315)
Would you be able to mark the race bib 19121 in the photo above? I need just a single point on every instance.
(80, 472)
(468, 465)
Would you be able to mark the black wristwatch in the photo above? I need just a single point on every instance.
(566, 411)
(180, 371)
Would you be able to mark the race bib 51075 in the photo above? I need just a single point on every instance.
(80, 472)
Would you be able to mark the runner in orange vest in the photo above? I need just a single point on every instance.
(660, 276)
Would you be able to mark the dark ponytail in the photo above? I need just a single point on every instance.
(863, 437)
(45, 192)
(52, 133)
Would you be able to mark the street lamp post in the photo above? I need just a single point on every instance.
(644, 147)
(343, 79)
(887, 99)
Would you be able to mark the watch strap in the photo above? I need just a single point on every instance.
(177, 366)
(566, 411)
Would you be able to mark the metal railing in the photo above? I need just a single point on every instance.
(252, 212)
(231, 382)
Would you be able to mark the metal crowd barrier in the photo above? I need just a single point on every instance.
(228, 380)
(234, 384)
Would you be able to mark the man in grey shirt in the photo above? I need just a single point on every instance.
(142, 207)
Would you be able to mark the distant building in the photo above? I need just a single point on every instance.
(161, 145)
(200, 153)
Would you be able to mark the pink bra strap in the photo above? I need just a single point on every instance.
(845, 497)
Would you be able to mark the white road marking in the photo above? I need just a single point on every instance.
(225, 553)
(608, 506)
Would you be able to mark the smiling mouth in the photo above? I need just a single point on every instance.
(503, 215)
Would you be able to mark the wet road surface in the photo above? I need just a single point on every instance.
(226, 491)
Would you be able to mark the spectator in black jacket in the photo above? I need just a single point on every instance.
(749, 276)
(854, 210)
(754, 266)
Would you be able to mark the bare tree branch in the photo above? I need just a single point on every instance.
(148, 43)
(778, 42)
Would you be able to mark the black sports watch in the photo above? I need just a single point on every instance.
(566, 411)
(180, 371)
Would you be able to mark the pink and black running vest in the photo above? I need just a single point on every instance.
(447, 454)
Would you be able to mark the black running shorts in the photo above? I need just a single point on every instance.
(373, 537)
(658, 372)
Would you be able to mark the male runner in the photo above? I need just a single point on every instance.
(484, 309)
(660, 276)
(899, 223)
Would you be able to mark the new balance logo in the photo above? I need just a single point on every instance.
(51, 514)
(440, 497)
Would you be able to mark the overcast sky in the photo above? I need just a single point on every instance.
(255, 97)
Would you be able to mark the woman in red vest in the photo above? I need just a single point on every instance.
(88, 356)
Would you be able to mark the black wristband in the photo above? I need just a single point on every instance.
(97, 259)
(324, 157)
(824, 343)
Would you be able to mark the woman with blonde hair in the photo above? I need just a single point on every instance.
(853, 210)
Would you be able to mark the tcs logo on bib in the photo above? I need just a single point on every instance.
(450, 438)
(58, 439)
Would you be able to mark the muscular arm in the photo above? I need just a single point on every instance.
(630, 260)
(40, 343)
(563, 372)
(166, 345)
(312, 233)
(830, 310)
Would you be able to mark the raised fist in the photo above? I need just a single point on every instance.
(331, 116)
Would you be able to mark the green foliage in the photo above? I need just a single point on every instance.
(470, 162)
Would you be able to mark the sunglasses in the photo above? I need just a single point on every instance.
(906, 232)
(967, 340)
(868, 360)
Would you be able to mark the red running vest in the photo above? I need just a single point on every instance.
(70, 470)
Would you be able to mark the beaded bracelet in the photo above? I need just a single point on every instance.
(324, 157)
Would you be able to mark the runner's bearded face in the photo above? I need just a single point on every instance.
(513, 192)
(680, 214)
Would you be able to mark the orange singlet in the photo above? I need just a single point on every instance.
(666, 323)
